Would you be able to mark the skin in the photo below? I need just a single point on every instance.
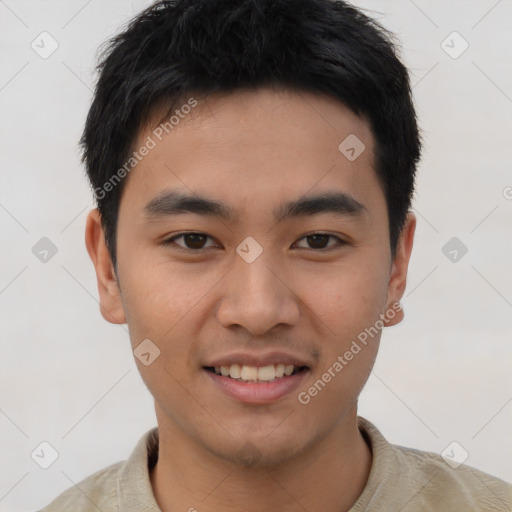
(254, 150)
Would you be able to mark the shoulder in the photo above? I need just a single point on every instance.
(97, 491)
(410, 480)
(444, 487)
(122, 486)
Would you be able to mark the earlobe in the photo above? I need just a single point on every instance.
(111, 306)
(394, 313)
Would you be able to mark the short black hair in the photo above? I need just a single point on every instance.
(176, 48)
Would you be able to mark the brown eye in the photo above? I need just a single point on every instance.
(320, 241)
(192, 241)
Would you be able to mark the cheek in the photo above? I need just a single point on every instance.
(349, 306)
(168, 306)
(162, 304)
(348, 299)
(159, 295)
(348, 303)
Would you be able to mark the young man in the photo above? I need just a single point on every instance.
(253, 163)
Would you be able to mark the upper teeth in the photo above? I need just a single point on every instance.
(254, 373)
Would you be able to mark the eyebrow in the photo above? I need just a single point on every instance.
(173, 202)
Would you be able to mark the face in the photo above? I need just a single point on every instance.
(278, 261)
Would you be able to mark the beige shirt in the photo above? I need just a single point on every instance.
(401, 479)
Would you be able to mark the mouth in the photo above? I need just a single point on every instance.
(257, 385)
(257, 374)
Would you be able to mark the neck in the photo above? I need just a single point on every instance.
(327, 477)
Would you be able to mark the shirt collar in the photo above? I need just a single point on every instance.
(134, 489)
(135, 492)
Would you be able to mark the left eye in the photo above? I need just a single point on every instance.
(319, 240)
(196, 241)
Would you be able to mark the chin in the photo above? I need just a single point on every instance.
(260, 452)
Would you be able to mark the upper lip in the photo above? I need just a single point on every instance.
(254, 359)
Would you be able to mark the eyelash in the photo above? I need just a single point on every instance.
(170, 241)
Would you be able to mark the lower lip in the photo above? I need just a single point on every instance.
(258, 393)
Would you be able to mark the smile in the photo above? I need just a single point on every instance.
(256, 374)
(257, 384)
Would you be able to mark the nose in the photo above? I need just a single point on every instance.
(258, 297)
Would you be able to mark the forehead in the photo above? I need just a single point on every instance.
(257, 143)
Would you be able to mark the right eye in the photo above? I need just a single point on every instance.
(192, 241)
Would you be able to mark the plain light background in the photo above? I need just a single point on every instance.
(69, 378)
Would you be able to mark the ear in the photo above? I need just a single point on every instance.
(398, 276)
(111, 307)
